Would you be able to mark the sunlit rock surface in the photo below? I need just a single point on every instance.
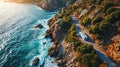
(22, 1)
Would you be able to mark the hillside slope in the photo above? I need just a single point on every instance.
(98, 24)
(54, 4)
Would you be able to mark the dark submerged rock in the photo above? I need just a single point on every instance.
(44, 43)
(39, 26)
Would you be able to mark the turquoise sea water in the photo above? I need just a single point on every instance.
(20, 42)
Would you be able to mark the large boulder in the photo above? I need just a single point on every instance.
(36, 61)
(39, 26)
(54, 50)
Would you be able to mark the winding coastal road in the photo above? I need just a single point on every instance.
(88, 40)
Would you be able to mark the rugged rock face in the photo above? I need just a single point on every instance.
(57, 36)
(68, 59)
(54, 4)
(113, 50)
(48, 4)
(62, 51)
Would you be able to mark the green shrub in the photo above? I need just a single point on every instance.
(86, 22)
(97, 19)
(66, 23)
(88, 57)
(95, 29)
(113, 17)
(107, 5)
(99, 1)
(118, 25)
(84, 48)
(70, 34)
(110, 10)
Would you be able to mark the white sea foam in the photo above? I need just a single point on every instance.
(43, 56)
(5, 57)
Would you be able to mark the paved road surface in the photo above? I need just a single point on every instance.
(100, 54)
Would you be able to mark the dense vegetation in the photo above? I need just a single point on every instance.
(88, 54)
(104, 24)
(66, 22)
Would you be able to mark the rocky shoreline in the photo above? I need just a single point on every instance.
(56, 35)
(62, 51)
(66, 58)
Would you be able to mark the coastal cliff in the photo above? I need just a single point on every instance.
(61, 50)
(66, 33)
(56, 34)
(54, 4)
